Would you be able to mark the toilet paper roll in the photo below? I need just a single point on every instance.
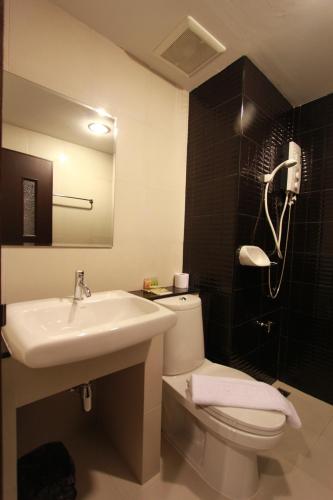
(181, 280)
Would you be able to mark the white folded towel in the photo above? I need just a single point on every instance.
(237, 393)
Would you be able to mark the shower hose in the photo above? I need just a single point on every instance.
(274, 292)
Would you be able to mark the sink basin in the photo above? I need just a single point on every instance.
(43, 333)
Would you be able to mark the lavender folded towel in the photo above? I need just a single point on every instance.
(237, 393)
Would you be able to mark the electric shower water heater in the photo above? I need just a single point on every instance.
(292, 175)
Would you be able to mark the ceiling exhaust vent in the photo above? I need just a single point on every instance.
(189, 47)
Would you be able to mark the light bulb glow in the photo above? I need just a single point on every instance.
(62, 157)
(99, 128)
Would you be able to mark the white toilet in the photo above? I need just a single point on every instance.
(220, 443)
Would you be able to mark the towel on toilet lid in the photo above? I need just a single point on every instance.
(207, 390)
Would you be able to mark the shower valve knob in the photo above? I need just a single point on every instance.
(267, 325)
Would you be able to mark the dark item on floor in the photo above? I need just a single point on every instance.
(46, 473)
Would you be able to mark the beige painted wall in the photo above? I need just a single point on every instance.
(77, 171)
(49, 47)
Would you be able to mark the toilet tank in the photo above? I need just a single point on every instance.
(184, 343)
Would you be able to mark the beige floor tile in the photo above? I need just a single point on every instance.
(295, 444)
(299, 468)
(177, 481)
(102, 475)
(328, 433)
(282, 480)
(315, 416)
(95, 468)
(319, 463)
(314, 413)
(100, 487)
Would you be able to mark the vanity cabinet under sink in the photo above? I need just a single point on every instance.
(126, 407)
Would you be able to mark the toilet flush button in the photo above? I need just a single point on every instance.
(183, 299)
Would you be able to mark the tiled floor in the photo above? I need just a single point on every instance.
(300, 468)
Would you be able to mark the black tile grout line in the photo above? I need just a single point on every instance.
(193, 95)
(259, 145)
(218, 176)
(320, 190)
(266, 114)
(247, 287)
(309, 130)
(313, 283)
(321, 221)
(237, 96)
(212, 214)
(253, 216)
(246, 74)
(260, 316)
(308, 344)
(319, 254)
(254, 370)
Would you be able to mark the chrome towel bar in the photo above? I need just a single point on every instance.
(90, 200)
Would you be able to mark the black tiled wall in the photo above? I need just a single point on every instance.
(307, 341)
(211, 200)
(267, 123)
(236, 121)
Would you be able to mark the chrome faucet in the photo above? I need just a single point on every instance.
(80, 286)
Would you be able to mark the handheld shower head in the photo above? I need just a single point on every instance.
(289, 163)
(268, 178)
(285, 164)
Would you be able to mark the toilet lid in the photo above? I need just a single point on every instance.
(260, 422)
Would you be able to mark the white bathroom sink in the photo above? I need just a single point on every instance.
(50, 332)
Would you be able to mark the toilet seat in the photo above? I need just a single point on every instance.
(257, 422)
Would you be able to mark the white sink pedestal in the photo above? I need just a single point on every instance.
(129, 403)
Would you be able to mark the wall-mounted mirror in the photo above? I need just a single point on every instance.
(58, 168)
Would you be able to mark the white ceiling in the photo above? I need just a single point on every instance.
(37, 108)
(289, 40)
